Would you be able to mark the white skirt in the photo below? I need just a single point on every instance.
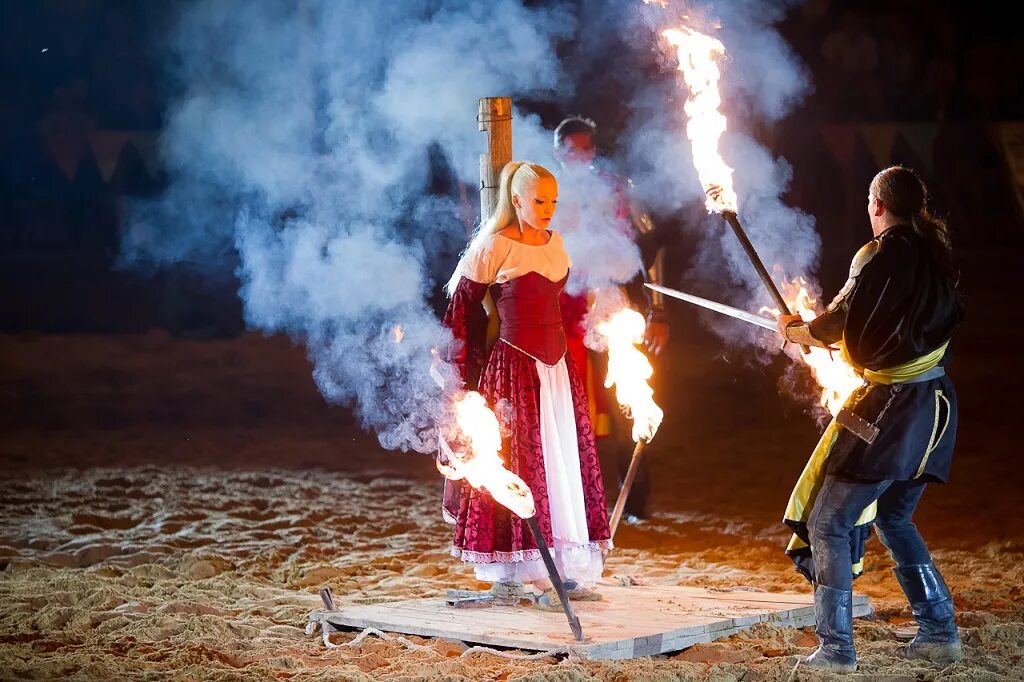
(576, 557)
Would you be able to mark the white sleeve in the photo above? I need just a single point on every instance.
(561, 243)
(482, 263)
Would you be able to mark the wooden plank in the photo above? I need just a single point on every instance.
(433, 627)
(629, 622)
(541, 622)
(721, 605)
(594, 616)
(738, 596)
(622, 615)
(508, 629)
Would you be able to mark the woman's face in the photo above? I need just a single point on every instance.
(537, 206)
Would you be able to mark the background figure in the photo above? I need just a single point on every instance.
(524, 266)
(597, 201)
(895, 318)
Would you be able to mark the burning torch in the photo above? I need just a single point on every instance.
(628, 371)
(698, 61)
(484, 470)
(698, 56)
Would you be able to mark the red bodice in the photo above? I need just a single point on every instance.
(530, 317)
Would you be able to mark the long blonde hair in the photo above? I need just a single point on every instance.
(518, 178)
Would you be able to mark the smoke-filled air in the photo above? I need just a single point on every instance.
(303, 146)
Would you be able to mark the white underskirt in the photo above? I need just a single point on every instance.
(576, 557)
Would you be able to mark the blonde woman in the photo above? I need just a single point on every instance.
(524, 266)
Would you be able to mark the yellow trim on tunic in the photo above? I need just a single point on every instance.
(801, 501)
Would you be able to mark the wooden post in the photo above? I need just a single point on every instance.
(494, 118)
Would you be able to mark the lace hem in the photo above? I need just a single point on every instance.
(524, 554)
(447, 516)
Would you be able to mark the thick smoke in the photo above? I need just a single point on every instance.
(304, 143)
(596, 231)
(762, 80)
(303, 138)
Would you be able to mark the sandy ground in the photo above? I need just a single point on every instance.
(169, 509)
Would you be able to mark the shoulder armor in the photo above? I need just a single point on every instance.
(863, 257)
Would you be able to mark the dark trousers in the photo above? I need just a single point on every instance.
(836, 508)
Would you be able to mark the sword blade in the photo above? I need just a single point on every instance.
(749, 318)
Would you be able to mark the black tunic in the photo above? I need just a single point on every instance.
(900, 306)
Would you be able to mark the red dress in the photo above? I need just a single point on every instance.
(551, 446)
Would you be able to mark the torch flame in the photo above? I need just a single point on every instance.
(837, 378)
(698, 56)
(397, 333)
(483, 468)
(698, 61)
(629, 370)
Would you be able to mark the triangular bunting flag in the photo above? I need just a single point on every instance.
(1012, 137)
(921, 139)
(904, 155)
(879, 137)
(106, 146)
(65, 139)
(148, 145)
(839, 138)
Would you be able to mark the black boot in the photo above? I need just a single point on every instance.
(937, 639)
(833, 617)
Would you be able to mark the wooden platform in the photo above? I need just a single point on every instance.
(641, 620)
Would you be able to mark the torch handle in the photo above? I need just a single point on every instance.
(627, 484)
(556, 579)
(755, 260)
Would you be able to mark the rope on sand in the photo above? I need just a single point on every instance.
(325, 630)
(563, 650)
(792, 673)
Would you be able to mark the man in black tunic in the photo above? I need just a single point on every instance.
(895, 317)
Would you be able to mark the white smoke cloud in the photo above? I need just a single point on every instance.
(301, 142)
(301, 139)
(762, 80)
(595, 230)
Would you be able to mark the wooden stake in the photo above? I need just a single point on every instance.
(494, 118)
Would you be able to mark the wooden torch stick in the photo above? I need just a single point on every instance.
(556, 579)
(755, 260)
(627, 484)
